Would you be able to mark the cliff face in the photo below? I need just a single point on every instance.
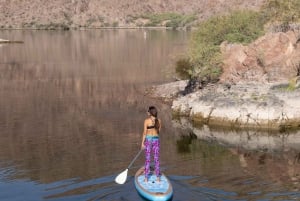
(100, 13)
(274, 57)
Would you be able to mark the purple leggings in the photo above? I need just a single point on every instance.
(151, 143)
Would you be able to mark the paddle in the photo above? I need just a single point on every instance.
(121, 178)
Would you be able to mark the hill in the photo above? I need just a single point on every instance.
(65, 14)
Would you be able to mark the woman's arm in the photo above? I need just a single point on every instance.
(159, 125)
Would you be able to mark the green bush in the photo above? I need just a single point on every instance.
(204, 52)
(180, 21)
(182, 68)
(174, 20)
(115, 24)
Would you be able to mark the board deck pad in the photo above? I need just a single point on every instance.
(152, 185)
(153, 189)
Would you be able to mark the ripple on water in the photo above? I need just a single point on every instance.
(186, 188)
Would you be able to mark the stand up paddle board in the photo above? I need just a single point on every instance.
(153, 190)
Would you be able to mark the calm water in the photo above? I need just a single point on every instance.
(72, 105)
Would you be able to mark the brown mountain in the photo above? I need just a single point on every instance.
(45, 14)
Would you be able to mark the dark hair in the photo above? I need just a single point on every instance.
(153, 112)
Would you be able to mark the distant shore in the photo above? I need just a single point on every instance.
(110, 27)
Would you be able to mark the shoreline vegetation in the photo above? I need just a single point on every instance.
(167, 20)
(110, 27)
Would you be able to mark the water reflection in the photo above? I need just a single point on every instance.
(72, 103)
(270, 157)
(72, 106)
(247, 139)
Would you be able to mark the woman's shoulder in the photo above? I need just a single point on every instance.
(147, 119)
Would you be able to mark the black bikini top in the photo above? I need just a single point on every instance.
(150, 127)
(153, 126)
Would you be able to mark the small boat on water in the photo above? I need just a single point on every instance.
(10, 41)
(152, 189)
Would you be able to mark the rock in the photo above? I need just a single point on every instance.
(168, 91)
(259, 106)
(271, 58)
(242, 105)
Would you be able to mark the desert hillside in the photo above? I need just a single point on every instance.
(45, 14)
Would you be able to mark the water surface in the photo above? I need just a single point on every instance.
(72, 106)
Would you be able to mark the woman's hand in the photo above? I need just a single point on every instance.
(142, 146)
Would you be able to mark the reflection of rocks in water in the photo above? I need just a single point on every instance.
(247, 139)
(281, 167)
(297, 158)
(261, 159)
(183, 144)
(271, 157)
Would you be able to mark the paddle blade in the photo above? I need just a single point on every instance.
(121, 178)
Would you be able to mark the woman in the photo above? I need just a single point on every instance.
(150, 141)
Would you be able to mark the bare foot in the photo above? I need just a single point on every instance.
(158, 179)
(145, 180)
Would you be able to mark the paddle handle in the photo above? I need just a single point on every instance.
(135, 158)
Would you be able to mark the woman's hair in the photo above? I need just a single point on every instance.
(153, 112)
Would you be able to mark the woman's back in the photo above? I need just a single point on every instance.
(150, 126)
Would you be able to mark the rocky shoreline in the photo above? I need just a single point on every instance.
(259, 106)
(258, 88)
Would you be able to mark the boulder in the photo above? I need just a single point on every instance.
(271, 58)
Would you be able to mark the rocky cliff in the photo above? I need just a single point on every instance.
(44, 14)
(273, 57)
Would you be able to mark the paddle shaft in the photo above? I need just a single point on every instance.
(135, 158)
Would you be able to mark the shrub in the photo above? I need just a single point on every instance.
(204, 53)
(183, 66)
(115, 24)
(296, 68)
(174, 20)
(292, 84)
(180, 21)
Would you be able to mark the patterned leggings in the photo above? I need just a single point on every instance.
(151, 143)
